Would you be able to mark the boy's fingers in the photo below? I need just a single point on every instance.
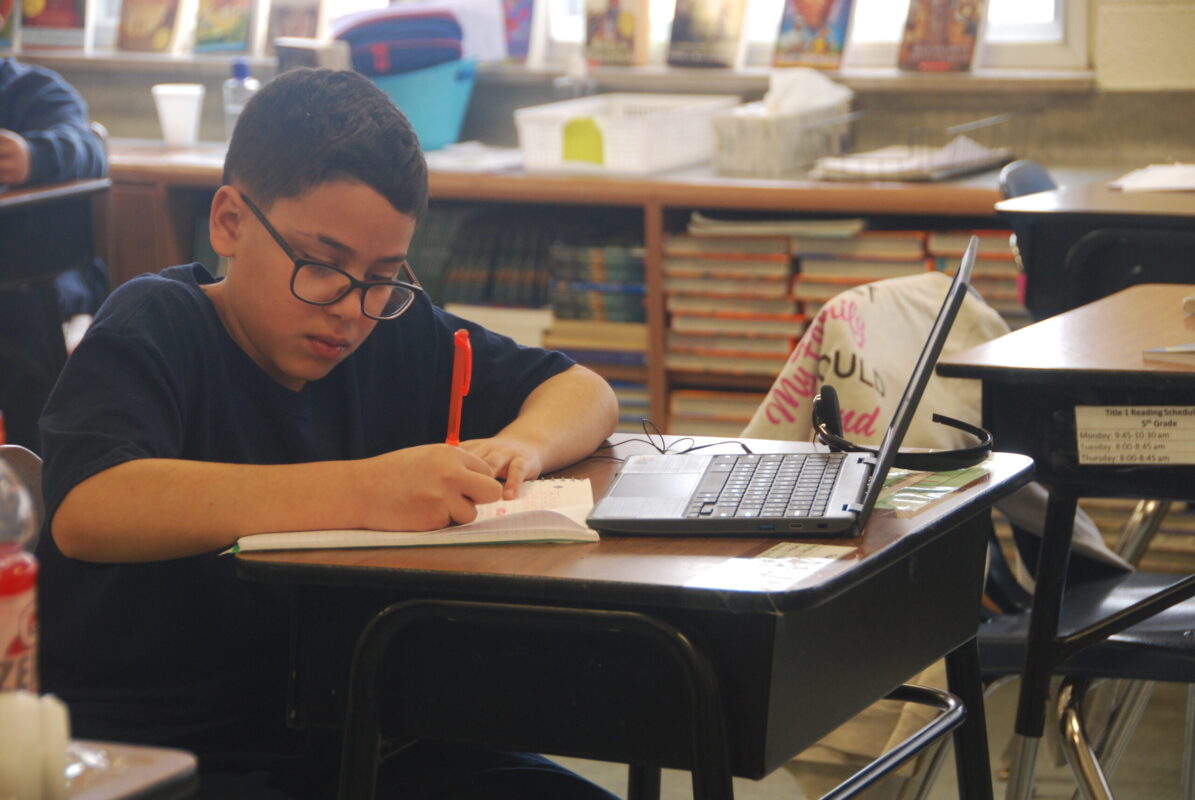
(516, 473)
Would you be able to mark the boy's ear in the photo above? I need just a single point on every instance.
(227, 214)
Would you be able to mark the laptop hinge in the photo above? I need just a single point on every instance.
(870, 460)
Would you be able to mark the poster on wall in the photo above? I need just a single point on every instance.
(813, 33)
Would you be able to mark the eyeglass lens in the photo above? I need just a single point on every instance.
(323, 286)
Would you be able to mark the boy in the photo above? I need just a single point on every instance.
(307, 389)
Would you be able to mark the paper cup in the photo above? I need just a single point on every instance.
(179, 106)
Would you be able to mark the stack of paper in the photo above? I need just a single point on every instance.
(913, 163)
(1158, 178)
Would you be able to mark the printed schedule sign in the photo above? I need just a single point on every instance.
(1135, 434)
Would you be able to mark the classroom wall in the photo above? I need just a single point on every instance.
(1144, 44)
(1142, 108)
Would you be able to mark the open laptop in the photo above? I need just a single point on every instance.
(811, 494)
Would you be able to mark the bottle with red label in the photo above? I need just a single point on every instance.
(18, 586)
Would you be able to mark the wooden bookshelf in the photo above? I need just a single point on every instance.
(158, 193)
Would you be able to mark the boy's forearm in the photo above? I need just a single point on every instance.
(153, 509)
(567, 417)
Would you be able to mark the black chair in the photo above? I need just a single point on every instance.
(1025, 176)
(1138, 652)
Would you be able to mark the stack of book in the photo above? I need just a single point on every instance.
(599, 342)
(730, 304)
(828, 266)
(634, 405)
(996, 276)
(598, 283)
(698, 412)
(502, 262)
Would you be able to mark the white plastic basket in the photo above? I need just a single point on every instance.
(623, 133)
(753, 143)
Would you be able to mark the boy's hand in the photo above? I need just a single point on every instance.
(14, 158)
(425, 488)
(511, 459)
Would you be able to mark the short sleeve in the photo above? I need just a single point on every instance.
(118, 399)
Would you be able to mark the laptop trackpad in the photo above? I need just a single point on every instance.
(657, 485)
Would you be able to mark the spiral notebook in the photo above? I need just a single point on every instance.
(546, 510)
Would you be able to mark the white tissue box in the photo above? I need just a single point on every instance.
(751, 142)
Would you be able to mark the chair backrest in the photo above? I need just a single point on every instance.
(1024, 176)
(27, 466)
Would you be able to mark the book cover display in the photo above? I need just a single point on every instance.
(223, 26)
(707, 33)
(813, 33)
(147, 25)
(52, 23)
(8, 23)
(616, 32)
(941, 35)
(517, 15)
(294, 18)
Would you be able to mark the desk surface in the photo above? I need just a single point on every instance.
(1102, 340)
(676, 572)
(28, 196)
(148, 161)
(1097, 199)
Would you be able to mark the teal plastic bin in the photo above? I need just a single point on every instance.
(433, 98)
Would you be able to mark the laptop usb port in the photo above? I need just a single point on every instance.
(767, 527)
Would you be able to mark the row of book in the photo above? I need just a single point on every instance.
(516, 256)
(162, 26)
(740, 293)
(938, 34)
(208, 26)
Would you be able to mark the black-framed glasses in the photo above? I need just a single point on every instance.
(323, 284)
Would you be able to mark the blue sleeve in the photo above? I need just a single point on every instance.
(52, 117)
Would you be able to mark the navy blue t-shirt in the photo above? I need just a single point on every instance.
(183, 652)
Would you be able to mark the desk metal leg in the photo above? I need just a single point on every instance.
(643, 782)
(1042, 650)
(971, 738)
(710, 759)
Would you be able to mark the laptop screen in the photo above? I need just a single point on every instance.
(924, 368)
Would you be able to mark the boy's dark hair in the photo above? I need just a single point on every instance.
(310, 126)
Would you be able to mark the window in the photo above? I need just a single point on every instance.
(1020, 33)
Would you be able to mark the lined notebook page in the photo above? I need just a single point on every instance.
(546, 510)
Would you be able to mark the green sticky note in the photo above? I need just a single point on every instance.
(583, 141)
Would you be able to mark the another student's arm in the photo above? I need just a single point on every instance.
(154, 509)
(560, 422)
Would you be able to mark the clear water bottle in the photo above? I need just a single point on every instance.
(237, 91)
(18, 586)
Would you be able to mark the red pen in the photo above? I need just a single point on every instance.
(462, 372)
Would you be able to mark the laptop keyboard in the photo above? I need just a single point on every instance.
(795, 485)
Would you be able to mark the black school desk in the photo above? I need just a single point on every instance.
(794, 655)
(1082, 241)
(44, 230)
(1044, 390)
